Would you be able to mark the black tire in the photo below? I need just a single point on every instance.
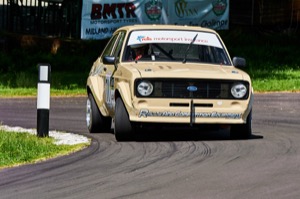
(242, 131)
(123, 127)
(96, 122)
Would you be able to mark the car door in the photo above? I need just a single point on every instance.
(113, 50)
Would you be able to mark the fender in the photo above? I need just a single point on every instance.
(249, 108)
(123, 88)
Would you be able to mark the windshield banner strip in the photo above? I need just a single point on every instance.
(182, 37)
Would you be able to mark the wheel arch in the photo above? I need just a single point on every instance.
(123, 91)
(94, 87)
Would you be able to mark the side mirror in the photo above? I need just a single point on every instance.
(108, 60)
(239, 62)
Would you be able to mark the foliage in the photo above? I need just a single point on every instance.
(23, 53)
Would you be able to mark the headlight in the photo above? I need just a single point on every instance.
(238, 90)
(145, 88)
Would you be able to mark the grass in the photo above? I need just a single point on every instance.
(31, 92)
(267, 79)
(25, 84)
(262, 80)
(23, 148)
(59, 80)
(276, 80)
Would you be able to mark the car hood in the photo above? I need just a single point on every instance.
(188, 70)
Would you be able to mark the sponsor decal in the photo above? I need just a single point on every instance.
(214, 23)
(182, 9)
(153, 9)
(105, 17)
(114, 11)
(219, 7)
(109, 91)
(183, 37)
(192, 10)
(147, 113)
(144, 38)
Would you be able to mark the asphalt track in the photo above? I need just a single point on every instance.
(171, 165)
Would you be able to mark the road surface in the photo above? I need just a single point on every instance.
(171, 165)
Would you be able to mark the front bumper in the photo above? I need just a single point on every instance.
(190, 111)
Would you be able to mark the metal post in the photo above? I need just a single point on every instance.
(43, 100)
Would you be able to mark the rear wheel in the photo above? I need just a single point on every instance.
(123, 126)
(242, 131)
(95, 121)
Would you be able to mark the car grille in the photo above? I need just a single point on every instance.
(192, 88)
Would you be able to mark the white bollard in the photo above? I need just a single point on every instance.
(43, 100)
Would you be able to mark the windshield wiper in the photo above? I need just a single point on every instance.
(188, 48)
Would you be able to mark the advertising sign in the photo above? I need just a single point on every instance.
(100, 18)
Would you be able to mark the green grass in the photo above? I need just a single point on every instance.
(32, 92)
(276, 80)
(24, 148)
(263, 80)
(25, 84)
(59, 80)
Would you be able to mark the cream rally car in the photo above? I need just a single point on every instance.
(167, 74)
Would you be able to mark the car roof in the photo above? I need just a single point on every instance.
(164, 27)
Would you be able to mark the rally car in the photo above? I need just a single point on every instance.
(167, 74)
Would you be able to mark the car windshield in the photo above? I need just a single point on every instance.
(175, 46)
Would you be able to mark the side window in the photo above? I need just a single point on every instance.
(108, 50)
(120, 42)
(114, 45)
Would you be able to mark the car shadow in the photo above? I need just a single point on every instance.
(175, 134)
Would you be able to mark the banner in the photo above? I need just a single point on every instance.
(100, 18)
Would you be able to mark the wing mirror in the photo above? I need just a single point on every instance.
(239, 62)
(109, 60)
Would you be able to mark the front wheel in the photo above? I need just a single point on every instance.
(95, 121)
(242, 131)
(123, 126)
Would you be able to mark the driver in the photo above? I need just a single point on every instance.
(140, 50)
